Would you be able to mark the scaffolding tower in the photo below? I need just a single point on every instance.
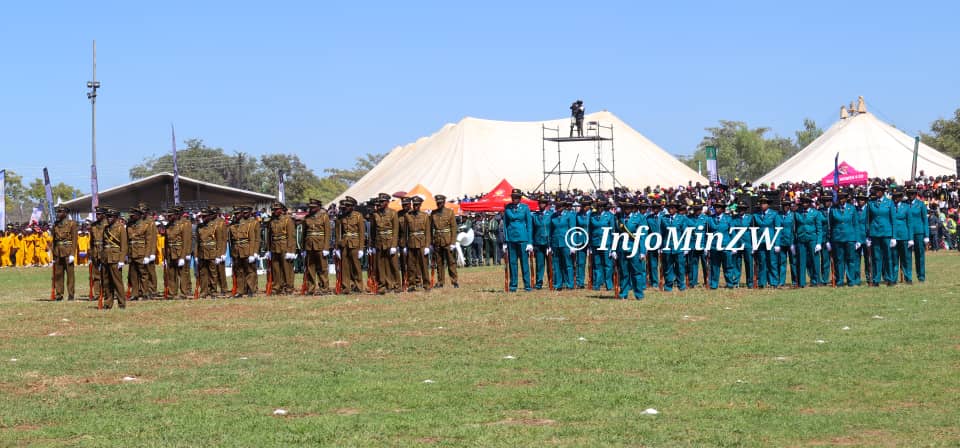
(601, 137)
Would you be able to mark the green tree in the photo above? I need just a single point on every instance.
(944, 135)
(197, 161)
(17, 209)
(36, 194)
(742, 153)
(360, 168)
(808, 134)
(299, 181)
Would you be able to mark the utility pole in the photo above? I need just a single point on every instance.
(93, 85)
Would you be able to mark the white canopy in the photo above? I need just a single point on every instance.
(472, 156)
(867, 144)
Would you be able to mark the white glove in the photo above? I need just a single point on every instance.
(336, 253)
(686, 252)
(181, 262)
(252, 259)
(549, 251)
(529, 248)
(267, 255)
(426, 251)
(893, 243)
(793, 249)
(817, 248)
(373, 250)
(776, 249)
(153, 258)
(120, 265)
(146, 260)
(290, 256)
(829, 247)
(188, 257)
(404, 250)
(393, 251)
(856, 246)
(453, 247)
(216, 261)
(303, 254)
(643, 257)
(613, 254)
(909, 244)
(326, 253)
(926, 240)
(359, 254)
(504, 247)
(869, 243)
(732, 251)
(70, 259)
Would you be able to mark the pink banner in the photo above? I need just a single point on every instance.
(848, 176)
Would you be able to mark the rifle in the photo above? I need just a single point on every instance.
(372, 268)
(549, 261)
(753, 260)
(90, 275)
(661, 268)
(573, 257)
(233, 274)
(196, 276)
(434, 267)
(532, 263)
(616, 278)
(303, 286)
(338, 263)
(589, 274)
(506, 270)
(100, 299)
(269, 288)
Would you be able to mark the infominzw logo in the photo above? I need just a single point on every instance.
(577, 238)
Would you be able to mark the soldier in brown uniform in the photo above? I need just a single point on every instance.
(152, 235)
(406, 204)
(64, 251)
(350, 236)
(114, 254)
(96, 253)
(443, 222)
(282, 240)
(209, 253)
(387, 225)
(418, 247)
(177, 250)
(316, 243)
(142, 251)
(217, 220)
(244, 243)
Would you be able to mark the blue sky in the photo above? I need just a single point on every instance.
(333, 80)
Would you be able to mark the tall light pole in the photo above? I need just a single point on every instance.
(93, 85)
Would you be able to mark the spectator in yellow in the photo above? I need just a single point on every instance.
(83, 246)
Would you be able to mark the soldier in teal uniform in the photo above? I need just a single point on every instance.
(652, 213)
(788, 242)
(518, 238)
(633, 273)
(602, 220)
(807, 243)
(769, 259)
(901, 255)
(720, 262)
(672, 226)
(880, 233)
(561, 220)
(582, 220)
(843, 239)
(863, 252)
(823, 256)
(743, 218)
(696, 256)
(920, 229)
(541, 238)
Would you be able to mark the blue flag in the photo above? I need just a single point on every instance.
(836, 176)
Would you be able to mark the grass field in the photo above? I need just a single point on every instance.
(814, 367)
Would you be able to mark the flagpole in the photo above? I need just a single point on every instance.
(93, 85)
(176, 170)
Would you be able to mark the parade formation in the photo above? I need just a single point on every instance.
(814, 237)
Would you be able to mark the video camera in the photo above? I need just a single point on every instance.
(576, 108)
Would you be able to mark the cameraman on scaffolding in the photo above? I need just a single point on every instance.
(576, 117)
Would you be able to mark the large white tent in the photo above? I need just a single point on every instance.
(472, 156)
(867, 144)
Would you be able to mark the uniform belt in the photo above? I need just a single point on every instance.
(385, 232)
(136, 242)
(442, 231)
(278, 237)
(64, 243)
(112, 246)
(210, 243)
(315, 234)
(98, 244)
(242, 240)
(177, 244)
(418, 233)
(351, 234)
